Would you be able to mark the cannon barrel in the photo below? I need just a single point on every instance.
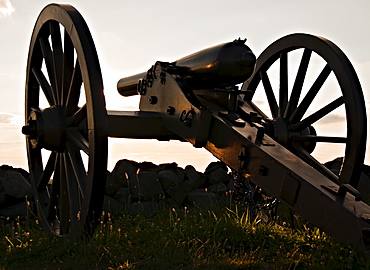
(223, 65)
(128, 86)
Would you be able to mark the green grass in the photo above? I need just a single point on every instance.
(177, 239)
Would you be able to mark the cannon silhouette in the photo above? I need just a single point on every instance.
(195, 99)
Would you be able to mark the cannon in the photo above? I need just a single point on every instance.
(196, 99)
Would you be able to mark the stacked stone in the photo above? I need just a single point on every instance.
(15, 188)
(363, 184)
(144, 186)
(139, 187)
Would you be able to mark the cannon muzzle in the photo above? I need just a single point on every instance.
(128, 86)
(220, 66)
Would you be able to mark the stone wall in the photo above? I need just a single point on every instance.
(144, 186)
(131, 186)
(138, 187)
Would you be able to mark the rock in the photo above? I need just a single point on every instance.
(225, 199)
(219, 188)
(191, 173)
(201, 198)
(216, 172)
(134, 186)
(168, 179)
(111, 205)
(3, 169)
(143, 207)
(167, 166)
(24, 173)
(231, 186)
(149, 188)
(215, 165)
(334, 165)
(147, 166)
(3, 197)
(125, 175)
(168, 203)
(218, 176)
(193, 179)
(364, 186)
(14, 211)
(111, 187)
(1, 184)
(109, 179)
(123, 171)
(16, 185)
(123, 196)
(177, 194)
(180, 172)
(364, 183)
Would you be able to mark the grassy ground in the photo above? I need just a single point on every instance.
(177, 239)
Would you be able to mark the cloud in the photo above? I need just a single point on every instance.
(5, 118)
(10, 119)
(332, 119)
(6, 8)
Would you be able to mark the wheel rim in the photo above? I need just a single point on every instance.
(66, 121)
(291, 123)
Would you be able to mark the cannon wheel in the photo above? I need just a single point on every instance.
(65, 123)
(290, 125)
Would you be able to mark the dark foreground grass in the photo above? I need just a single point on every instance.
(177, 239)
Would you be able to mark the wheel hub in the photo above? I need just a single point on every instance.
(47, 128)
(283, 133)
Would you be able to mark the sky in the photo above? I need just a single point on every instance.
(130, 36)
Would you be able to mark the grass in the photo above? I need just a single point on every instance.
(221, 238)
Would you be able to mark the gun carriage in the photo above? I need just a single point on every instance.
(194, 99)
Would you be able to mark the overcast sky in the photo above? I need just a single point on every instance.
(131, 35)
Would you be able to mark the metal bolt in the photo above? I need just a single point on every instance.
(141, 87)
(171, 110)
(260, 133)
(262, 170)
(26, 130)
(153, 100)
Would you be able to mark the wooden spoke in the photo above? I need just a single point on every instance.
(58, 58)
(312, 93)
(314, 138)
(45, 86)
(298, 83)
(53, 192)
(77, 117)
(283, 88)
(73, 191)
(318, 115)
(64, 206)
(270, 94)
(37, 164)
(78, 167)
(79, 140)
(74, 91)
(49, 63)
(48, 171)
(69, 70)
